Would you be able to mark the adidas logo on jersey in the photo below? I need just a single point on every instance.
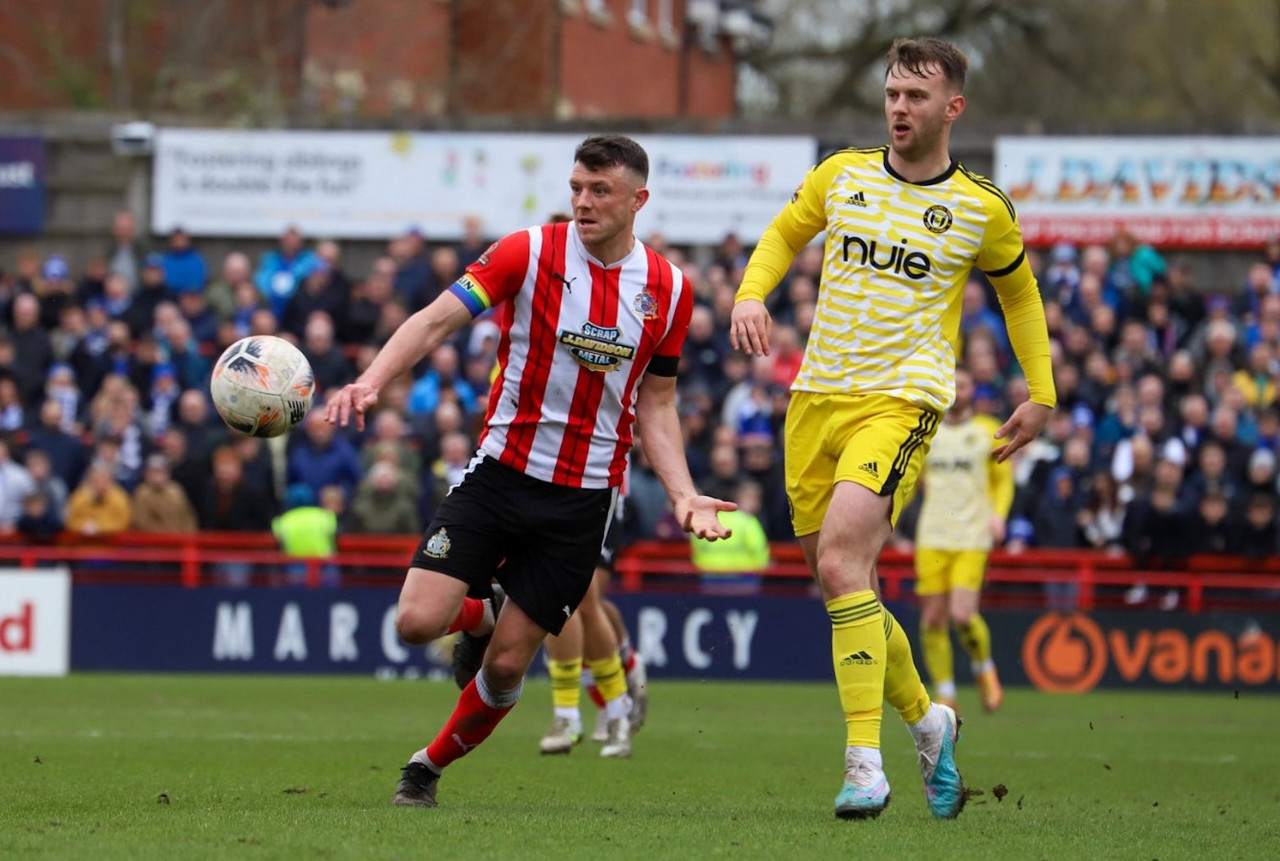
(871, 467)
(857, 658)
(858, 198)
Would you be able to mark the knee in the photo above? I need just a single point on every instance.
(933, 616)
(842, 576)
(416, 625)
(503, 669)
(961, 617)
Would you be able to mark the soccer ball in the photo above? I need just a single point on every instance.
(262, 386)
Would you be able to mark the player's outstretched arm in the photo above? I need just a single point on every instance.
(416, 338)
(663, 445)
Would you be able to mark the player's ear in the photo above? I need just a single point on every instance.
(642, 197)
(955, 106)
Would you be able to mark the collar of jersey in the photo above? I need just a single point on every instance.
(942, 177)
(577, 241)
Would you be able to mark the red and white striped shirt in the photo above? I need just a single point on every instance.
(576, 339)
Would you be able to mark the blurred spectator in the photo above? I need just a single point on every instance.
(332, 369)
(54, 291)
(365, 309)
(447, 470)
(46, 483)
(1101, 521)
(13, 417)
(321, 291)
(1255, 379)
(15, 485)
(199, 317)
(732, 566)
(159, 503)
(141, 313)
(63, 448)
(1157, 526)
(1061, 279)
(1258, 537)
(99, 506)
(390, 442)
(320, 457)
(1133, 266)
(704, 350)
(184, 268)
(722, 482)
(976, 315)
(198, 422)
(308, 531)
(413, 280)
(39, 523)
(221, 294)
(445, 269)
(443, 375)
(473, 242)
(1211, 529)
(124, 256)
(385, 502)
(33, 349)
(228, 502)
(1259, 284)
(282, 270)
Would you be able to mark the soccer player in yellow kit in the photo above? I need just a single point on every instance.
(904, 225)
(967, 494)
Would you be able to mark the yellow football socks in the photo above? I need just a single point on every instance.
(566, 683)
(858, 653)
(610, 678)
(902, 686)
(975, 636)
(938, 660)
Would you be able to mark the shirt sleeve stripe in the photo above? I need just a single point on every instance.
(1007, 269)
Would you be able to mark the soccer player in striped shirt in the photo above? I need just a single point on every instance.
(591, 326)
(904, 225)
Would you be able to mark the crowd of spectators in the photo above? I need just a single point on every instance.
(1164, 443)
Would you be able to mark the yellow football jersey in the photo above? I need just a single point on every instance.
(963, 486)
(896, 258)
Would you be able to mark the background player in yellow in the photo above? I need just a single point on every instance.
(904, 224)
(967, 494)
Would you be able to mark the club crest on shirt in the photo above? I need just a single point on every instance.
(438, 545)
(483, 259)
(937, 219)
(597, 348)
(647, 305)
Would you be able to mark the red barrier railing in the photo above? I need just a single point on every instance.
(192, 560)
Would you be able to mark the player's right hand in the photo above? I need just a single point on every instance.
(353, 399)
(750, 326)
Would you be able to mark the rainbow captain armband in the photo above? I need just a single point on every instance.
(472, 294)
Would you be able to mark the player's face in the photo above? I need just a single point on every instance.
(605, 202)
(918, 110)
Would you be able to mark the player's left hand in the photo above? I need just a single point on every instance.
(699, 515)
(1022, 427)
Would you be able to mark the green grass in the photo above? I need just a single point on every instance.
(302, 768)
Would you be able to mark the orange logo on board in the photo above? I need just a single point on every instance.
(1066, 654)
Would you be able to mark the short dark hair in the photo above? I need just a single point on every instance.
(602, 151)
(915, 55)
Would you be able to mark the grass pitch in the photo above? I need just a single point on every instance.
(190, 767)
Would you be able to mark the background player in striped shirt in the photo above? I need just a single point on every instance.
(904, 225)
(592, 323)
(967, 494)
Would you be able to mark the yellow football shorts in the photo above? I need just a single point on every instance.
(940, 571)
(875, 440)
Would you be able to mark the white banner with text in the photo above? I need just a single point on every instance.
(1179, 192)
(35, 622)
(374, 185)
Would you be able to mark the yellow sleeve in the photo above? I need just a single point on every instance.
(1004, 260)
(999, 480)
(791, 230)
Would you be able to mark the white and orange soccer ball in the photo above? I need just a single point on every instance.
(262, 386)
